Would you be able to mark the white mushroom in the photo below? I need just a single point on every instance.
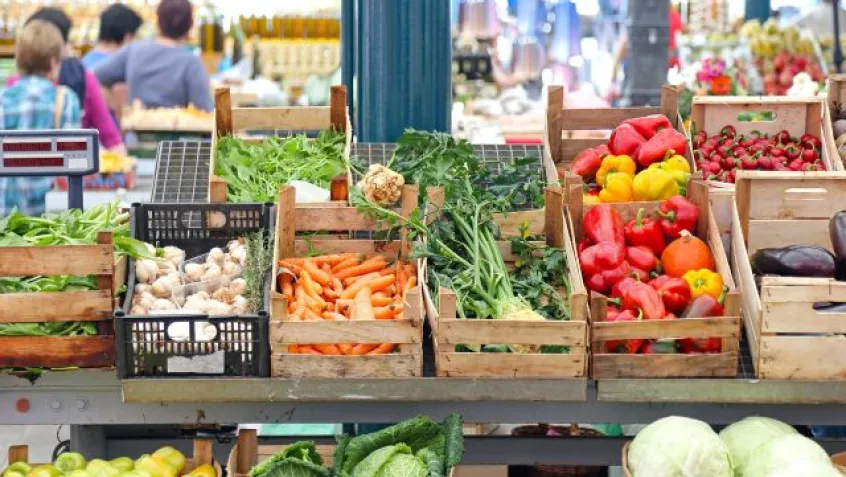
(174, 255)
(146, 271)
(194, 271)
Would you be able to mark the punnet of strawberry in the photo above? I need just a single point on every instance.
(720, 156)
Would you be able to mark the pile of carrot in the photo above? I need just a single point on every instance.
(345, 286)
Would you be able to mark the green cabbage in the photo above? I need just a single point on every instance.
(391, 461)
(297, 460)
(678, 447)
(807, 469)
(743, 437)
(783, 453)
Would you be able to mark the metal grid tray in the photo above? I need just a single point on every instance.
(182, 172)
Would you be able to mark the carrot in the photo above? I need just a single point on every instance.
(294, 267)
(310, 288)
(349, 262)
(331, 260)
(363, 307)
(364, 268)
(316, 273)
(343, 306)
(402, 277)
(314, 307)
(307, 349)
(388, 271)
(293, 349)
(361, 349)
(387, 312)
(312, 315)
(381, 283)
(329, 349)
(380, 299)
(337, 286)
(383, 348)
(299, 310)
(412, 282)
(350, 292)
(288, 287)
(346, 348)
(351, 280)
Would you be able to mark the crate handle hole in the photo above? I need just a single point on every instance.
(757, 116)
(797, 193)
(181, 331)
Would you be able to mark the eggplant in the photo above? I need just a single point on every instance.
(837, 235)
(829, 307)
(794, 261)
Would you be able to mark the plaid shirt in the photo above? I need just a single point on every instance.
(29, 105)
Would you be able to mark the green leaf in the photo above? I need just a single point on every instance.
(417, 433)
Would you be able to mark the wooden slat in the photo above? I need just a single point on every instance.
(286, 222)
(315, 219)
(670, 104)
(381, 366)
(78, 260)
(712, 113)
(554, 106)
(92, 305)
(831, 291)
(222, 112)
(607, 366)
(554, 220)
(218, 191)
(803, 357)
(246, 451)
(331, 246)
(779, 233)
(609, 118)
(510, 223)
(310, 118)
(571, 147)
(57, 351)
(352, 332)
(745, 280)
(458, 331)
(782, 318)
(722, 327)
(338, 107)
(202, 452)
(483, 365)
(18, 454)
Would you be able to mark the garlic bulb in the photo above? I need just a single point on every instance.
(142, 288)
(204, 295)
(194, 271)
(225, 295)
(239, 255)
(216, 256)
(146, 271)
(196, 302)
(231, 269)
(241, 305)
(233, 244)
(162, 305)
(138, 309)
(213, 272)
(174, 255)
(163, 287)
(146, 300)
(217, 308)
(238, 286)
(165, 267)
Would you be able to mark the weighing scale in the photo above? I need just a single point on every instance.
(50, 153)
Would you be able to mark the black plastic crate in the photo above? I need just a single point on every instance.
(239, 345)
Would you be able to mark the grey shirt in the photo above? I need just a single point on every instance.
(158, 75)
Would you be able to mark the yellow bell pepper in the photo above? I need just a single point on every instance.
(675, 163)
(615, 164)
(590, 199)
(654, 184)
(205, 470)
(618, 188)
(704, 282)
(681, 177)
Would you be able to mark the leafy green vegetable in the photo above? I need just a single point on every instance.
(297, 460)
(254, 172)
(540, 277)
(259, 261)
(391, 461)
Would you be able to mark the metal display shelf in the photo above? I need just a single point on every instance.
(182, 172)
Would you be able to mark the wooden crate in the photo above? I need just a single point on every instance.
(202, 455)
(571, 131)
(229, 120)
(836, 94)
(799, 115)
(91, 305)
(407, 332)
(611, 365)
(246, 453)
(787, 338)
(449, 330)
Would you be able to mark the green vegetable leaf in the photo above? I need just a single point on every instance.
(297, 460)
(417, 433)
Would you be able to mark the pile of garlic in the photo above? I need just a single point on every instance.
(170, 284)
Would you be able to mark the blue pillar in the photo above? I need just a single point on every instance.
(348, 48)
(759, 9)
(403, 68)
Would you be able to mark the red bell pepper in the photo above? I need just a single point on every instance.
(621, 286)
(648, 126)
(646, 233)
(604, 281)
(587, 162)
(662, 346)
(604, 224)
(677, 214)
(600, 257)
(582, 245)
(703, 306)
(622, 346)
(640, 296)
(625, 140)
(674, 292)
(639, 275)
(655, 149)
(642, 258)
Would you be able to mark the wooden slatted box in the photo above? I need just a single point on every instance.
(90, 305)
(571, 131)
(788, 339)
(407, 331)
(232, 120)
(606, 365)
(836, 94)
(449, 330)
(799, 115)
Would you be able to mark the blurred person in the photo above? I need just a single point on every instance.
(162, 73)
(95, 110)
(35, 102)
(820, 19)
(118, 26)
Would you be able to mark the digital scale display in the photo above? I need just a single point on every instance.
(49, 153)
